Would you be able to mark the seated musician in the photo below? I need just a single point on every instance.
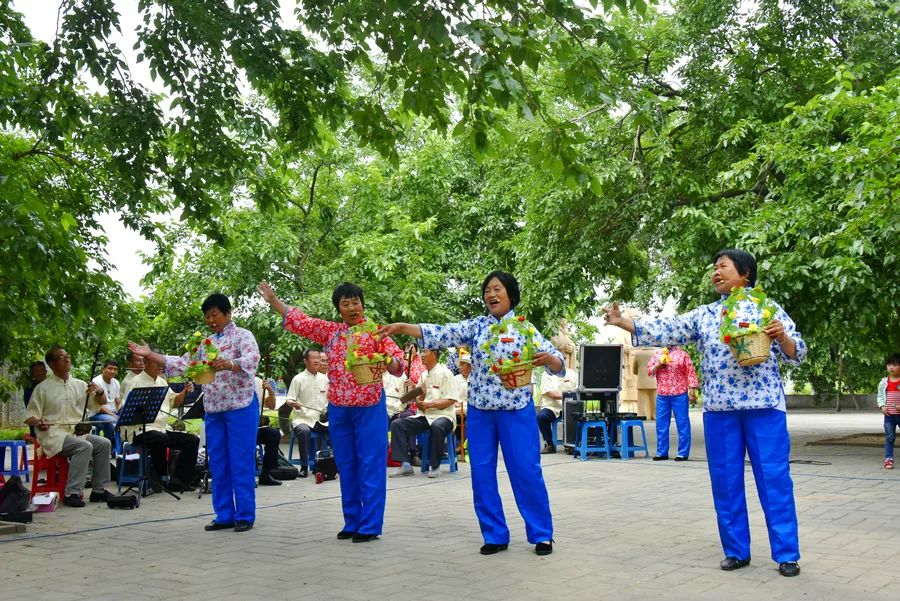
(267, 436)
(56, 405)
(160, 436)
(436, 413)
(464, 361)
(552, 389)
(308, 398)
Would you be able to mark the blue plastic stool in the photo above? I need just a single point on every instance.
(581, 440)
(18, 460)
(628, 449)
(553, 426)
(317, 442)
(425, 440)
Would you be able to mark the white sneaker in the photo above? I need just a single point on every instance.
(434, 473)
(403, 471)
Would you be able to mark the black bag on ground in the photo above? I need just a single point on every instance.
(14, 497)
(127, 501)
(326, 465)
(285, 470)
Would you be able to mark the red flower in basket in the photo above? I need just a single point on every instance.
(515, 354)
(193, 363)
(521, 318)
(207, 341)
(495, 369)
(726, 339)
(371, 356)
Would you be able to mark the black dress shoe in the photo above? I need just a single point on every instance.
(98, 496)
(661, 458)
(242, 526)
(304, 473)
(345, 534)
(364, 538)
(733, 563)
(680, 458)
(544, 548)
(73, 501)
(214, 525)
(267, 480)
(789, 568)
(491, 548)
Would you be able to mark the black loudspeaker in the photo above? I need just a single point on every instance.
(572, 411)
(126, 501)
(601, 367)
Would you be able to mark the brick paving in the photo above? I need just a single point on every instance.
(624, 529)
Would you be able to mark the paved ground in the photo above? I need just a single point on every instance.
(624, 530)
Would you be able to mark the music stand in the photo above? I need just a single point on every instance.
(141, 407)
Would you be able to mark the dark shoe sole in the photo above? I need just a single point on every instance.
(543, 548)
(789, 569)
(730, 564)
(213, 526)
(661, 458)
(242, 526)
(681, 459)
(345, 535)
(492, 549)
(364, 538)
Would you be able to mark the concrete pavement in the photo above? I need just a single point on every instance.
(631, 529)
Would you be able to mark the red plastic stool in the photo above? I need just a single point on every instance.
(56, 469)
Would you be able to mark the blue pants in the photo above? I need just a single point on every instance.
(762, 434)
(545, 419)
(231, 449)
(665, 406)
(359, 439)
(516, 432)
(891, 422)
(108, 426)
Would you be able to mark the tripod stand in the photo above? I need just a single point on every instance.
(141, 407)
(197, 412)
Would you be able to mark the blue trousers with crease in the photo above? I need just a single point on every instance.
(359, 438)
(762, 435)
(516, 432)
(231, 448)
(666, 405)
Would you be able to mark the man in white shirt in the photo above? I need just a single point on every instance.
(308, 398)
(135, 366)
(437, 413)
(160, 437)
(108, 413)
(552, 389)
(56, 406)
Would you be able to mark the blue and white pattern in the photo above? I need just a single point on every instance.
(486, 392)
(726, 385)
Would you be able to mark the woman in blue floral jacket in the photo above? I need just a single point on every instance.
(499, 416)
(743, 412)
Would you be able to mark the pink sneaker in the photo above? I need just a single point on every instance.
(889, 463)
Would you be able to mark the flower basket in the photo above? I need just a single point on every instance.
(204, 377)
(516, 376)
(747, 341)
(751, 349)
(368, 372)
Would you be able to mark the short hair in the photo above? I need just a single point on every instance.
(307, 352)
(438, 353)
(347, 290)
(509, 283)
(892, 359)
(109, 362)
(36, 364)
(744, 262)
(48, 356)
(216, 301)
(129, 356)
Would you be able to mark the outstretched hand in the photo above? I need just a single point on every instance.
(265, 290)
(389, 329)
(613, 316)
(142, 349)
